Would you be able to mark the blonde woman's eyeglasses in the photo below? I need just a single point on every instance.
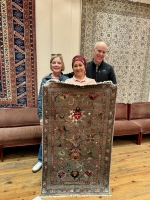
(56, 54)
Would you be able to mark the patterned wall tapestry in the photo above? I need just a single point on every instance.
(125, 27)
(18, 72)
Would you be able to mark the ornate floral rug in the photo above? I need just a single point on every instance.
(18, 71)
(125, 27)
(77, 139)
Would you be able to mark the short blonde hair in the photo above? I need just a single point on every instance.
(53, 56)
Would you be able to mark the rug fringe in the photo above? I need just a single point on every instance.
(37, 198)
(61, 82)
(100, 196)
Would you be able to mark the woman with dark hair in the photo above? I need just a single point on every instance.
(79, 70)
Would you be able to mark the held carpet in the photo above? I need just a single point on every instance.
(78, 123)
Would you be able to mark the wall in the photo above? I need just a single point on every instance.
(57, 31)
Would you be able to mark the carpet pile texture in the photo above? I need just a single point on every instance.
(78, 124)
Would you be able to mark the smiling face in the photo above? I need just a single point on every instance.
(79, 69)
(99, 52)
(56, 65)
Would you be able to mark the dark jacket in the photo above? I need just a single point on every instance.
(44, 80)
(104, 72)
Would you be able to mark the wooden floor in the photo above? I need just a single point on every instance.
(130, 172)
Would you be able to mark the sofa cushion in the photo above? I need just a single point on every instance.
(144, 123)
(11, 117)
(139, 110)
(121, 111)
(126, 127)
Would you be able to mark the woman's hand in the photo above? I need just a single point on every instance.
(41, 122)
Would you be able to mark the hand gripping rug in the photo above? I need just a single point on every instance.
(78, 128)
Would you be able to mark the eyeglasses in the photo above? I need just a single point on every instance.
(56, 54)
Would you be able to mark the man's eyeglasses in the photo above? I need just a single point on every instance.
(56, 54)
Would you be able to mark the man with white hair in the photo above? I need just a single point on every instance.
(97, 68)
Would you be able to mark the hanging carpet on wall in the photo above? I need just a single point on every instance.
(18, 70)
(78, 126)
(125, 27)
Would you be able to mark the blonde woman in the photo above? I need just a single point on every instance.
(56, 66)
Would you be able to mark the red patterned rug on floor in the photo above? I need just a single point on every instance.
(78, 123)
(18, 70)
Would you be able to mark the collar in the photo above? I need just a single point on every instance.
(76, 80)
(97, 64)
(60, 77)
